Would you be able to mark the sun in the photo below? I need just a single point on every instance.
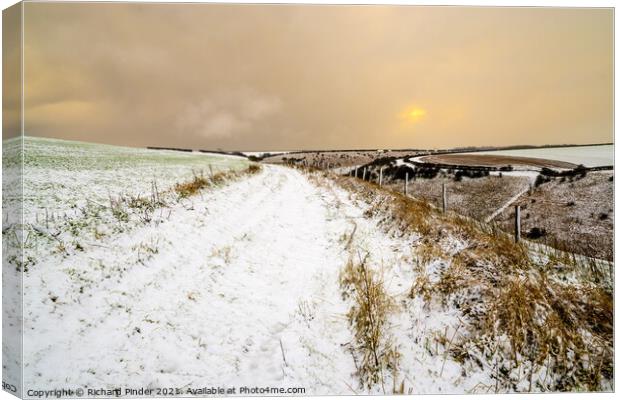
(413, 114)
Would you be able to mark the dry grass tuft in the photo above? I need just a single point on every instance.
(369, 316)
(200, 182)
(422, 287)
(254, 168)
(192, 187)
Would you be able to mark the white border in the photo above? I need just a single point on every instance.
(479, 3)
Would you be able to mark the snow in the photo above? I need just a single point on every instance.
(238, 285)
(531, 175)
(414, 325)
(262, 153)
(211, 306)
(63, 176)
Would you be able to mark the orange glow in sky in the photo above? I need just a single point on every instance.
(259, 77)
(414, 114)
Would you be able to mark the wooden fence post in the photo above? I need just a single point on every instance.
(406, 183)
(517, 223)
(444, 197)
(381, 176)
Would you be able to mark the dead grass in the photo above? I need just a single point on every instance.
(190, 188)
(422, 286)
(536, 329)
(477, 198)
(568, 328)
(568, 211)
(253, 169)
(368, 316)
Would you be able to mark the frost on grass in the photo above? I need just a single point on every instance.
(13, 261)
(527, 318)
(78, 193)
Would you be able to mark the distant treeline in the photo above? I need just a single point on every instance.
(578, 170)
(346, 151)
(460, 167)
(401, 172)
(426, 165)
(169, 148)
(228, 153)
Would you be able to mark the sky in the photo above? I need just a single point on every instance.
(284, 77)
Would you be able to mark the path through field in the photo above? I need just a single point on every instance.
(239, 286)
(507, 204)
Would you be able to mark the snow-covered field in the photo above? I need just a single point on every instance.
(61, 177)
(204, 298)
(590, 156)
(128, 285)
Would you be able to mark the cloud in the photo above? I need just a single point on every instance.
(226, 114)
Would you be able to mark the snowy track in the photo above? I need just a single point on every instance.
(238, 287)
(507, 204)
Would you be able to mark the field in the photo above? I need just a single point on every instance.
(491, 160)
(590, 156)
(149, 268)
(64, 177)
(567, 211)
(573, 214)
(477, 198)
